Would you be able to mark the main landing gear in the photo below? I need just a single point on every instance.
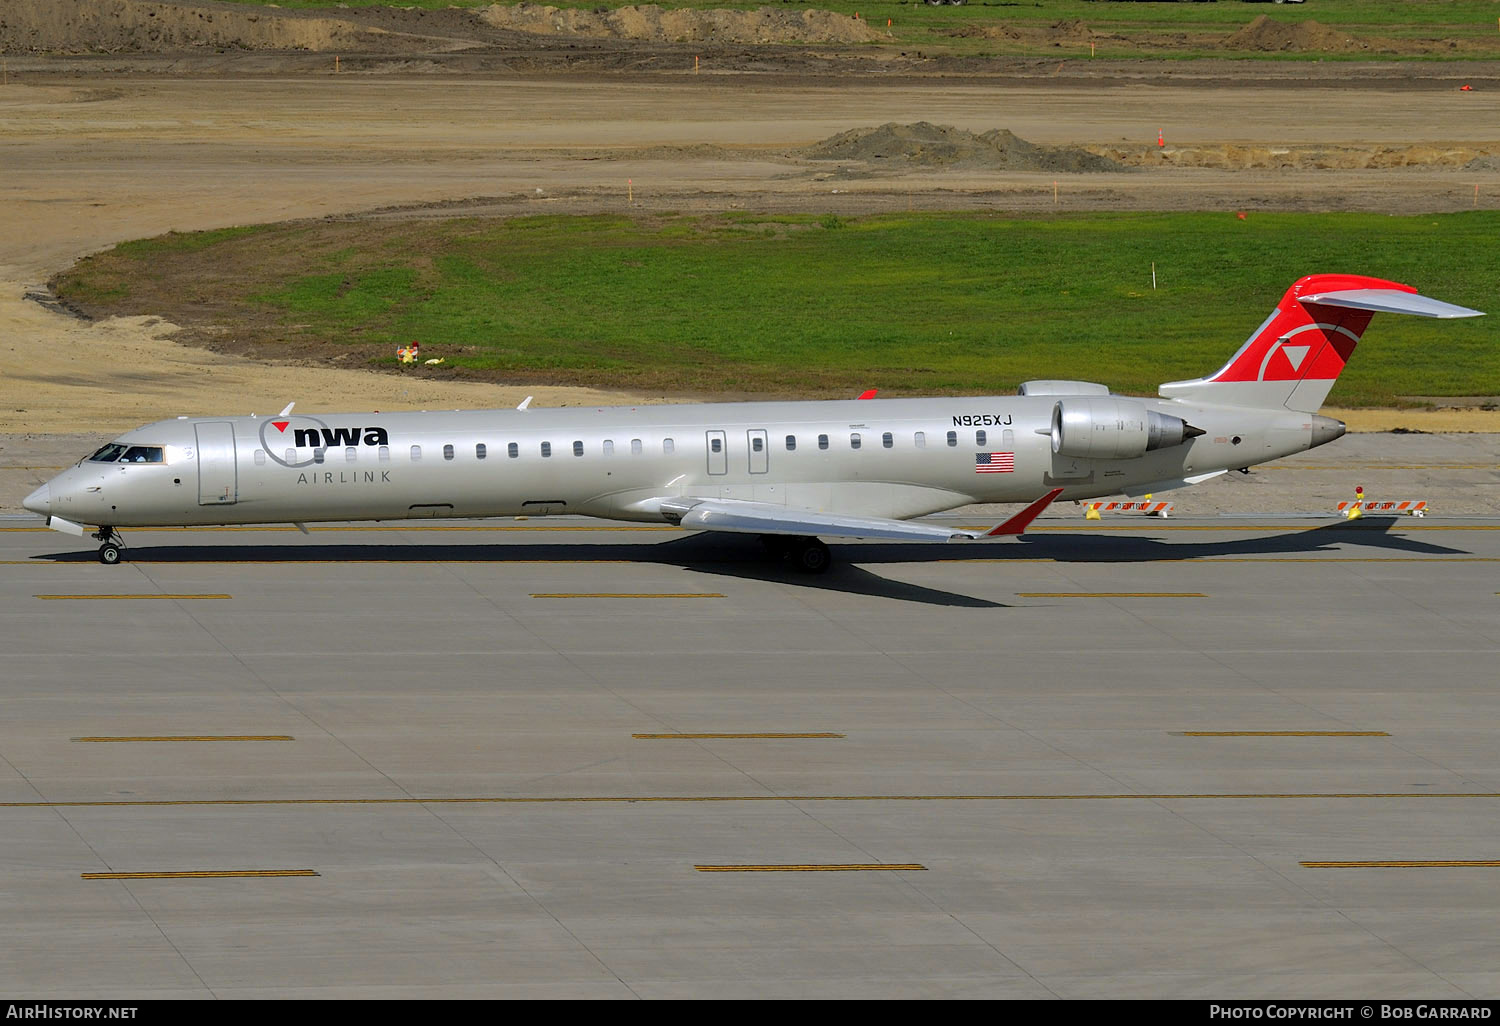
(809, 555)
(112, 549)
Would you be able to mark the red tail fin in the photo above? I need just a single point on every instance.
(1293, 358)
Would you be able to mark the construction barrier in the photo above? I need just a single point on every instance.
(1092, 510)
(1414, 508)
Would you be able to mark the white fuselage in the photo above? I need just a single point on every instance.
(896, 458)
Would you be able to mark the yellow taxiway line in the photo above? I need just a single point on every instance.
(815, 868)
(202, 874)
(702, 737)
(236, 737)
(626, 594)
(1111, 594)
(1282, 733)
(1436, 864)
(128, 597)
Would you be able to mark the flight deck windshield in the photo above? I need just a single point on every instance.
(116, 453)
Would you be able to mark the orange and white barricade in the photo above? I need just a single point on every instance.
(1360, 507)
(1093, 510)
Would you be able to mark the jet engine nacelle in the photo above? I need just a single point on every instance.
(1114, 429)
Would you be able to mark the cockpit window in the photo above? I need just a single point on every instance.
(108, 454)
(144, 454)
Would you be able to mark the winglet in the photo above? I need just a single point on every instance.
(525, 402)
(1023, 519)
(869, 393)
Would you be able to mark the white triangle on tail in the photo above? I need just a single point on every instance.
(1296, 354)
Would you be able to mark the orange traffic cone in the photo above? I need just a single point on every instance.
(1160, 140)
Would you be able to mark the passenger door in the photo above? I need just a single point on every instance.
(718, 453)
(760, 450)
(218, 477)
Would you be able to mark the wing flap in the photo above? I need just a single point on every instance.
(744, 517)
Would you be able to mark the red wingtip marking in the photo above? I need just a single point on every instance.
(1023, 519)
(280, 425)
(869, 393)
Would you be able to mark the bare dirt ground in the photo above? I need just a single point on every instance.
(103, 148)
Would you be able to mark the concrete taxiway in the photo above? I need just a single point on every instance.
(451, 760)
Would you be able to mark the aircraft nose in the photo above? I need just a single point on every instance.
(39, 501)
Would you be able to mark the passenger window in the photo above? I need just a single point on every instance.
(981, 439)
(350, 454)
(416, 454)
(609, 447)
(920, 439)
(668, 446)
(854, 440)
(822, 441)
(385, 454)
(108, 454)
(716, 445)
(447, 452)
(260, 457)
(635, 447)
(758, 444)
(791, 443)
(143, 454)
(319, 454)
(480, 451)
(886, 440)
(577, 448)
(952, 438)
(513, 450)
(291, 455)
(546, 448)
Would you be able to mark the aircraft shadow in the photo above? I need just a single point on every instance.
(744, 557)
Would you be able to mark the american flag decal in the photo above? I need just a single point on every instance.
(994, 462)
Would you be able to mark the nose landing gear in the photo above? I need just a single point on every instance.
(113, 545)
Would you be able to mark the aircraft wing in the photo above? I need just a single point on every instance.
(743, 517)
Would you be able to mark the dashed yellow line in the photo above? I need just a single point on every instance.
(205, 737)
(1282, 733)
(202, 874)
(729, 799)
(707, 737)
(854, 867)
(128, 597)
(1435, 864)
(1111, 594)
(626, 594)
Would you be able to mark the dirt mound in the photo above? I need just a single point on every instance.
(154, 26)
(1266, 35)
(1069, 30)
(932, 145)
(649, 22)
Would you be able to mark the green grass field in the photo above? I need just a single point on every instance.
(917, 24)
(742, 303)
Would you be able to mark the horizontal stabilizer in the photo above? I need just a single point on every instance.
(1390, 301)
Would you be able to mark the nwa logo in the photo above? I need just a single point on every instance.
(283, 437)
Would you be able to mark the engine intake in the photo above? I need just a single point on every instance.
(1114, 429)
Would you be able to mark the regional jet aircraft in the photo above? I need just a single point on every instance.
(790, 472)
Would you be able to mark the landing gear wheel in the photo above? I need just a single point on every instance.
(811, 556)
(109, 553)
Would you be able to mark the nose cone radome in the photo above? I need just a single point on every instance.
(39, 501)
